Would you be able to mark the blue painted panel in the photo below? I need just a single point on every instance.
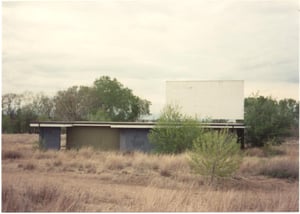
(50, 137)
(134, 139)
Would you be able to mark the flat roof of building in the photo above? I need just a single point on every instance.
(124, 125)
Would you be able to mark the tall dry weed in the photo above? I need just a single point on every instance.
(175, 164)
(291, 149)
(40, 197)
(88, 180)
(144, 162)
(86, 152)
(281, 168)
(276, 167)
(116, 161)
(11, 154)
(251, 165)
(210, 200)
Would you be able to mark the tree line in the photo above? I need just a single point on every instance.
(266, 119)
(107, 100)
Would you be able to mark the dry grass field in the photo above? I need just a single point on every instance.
(88, 180)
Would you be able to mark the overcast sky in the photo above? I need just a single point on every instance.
(49, 46)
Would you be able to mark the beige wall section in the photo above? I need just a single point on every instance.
(208, 99)
(102, 138)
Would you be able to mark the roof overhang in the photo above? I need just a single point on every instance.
(127, 125)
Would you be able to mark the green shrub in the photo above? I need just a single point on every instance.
(174, 132)
(215, 154)
(267, 118)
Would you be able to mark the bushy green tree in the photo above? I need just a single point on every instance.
(267, 119)
(215, 154)
(72, 104)
(174, 132)
(106, 100)
(116, 102)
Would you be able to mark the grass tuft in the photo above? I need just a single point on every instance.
(57, 163)
(115, 162)
(281, 168)
(11, 155)
(29, 166)
(165, 173)
(40, 198)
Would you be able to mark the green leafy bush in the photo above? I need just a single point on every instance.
(215, 154)
(268, 119)
(174, 132)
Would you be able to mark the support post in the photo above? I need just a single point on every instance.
(240, 134)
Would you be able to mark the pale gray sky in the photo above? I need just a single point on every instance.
(49, 46)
